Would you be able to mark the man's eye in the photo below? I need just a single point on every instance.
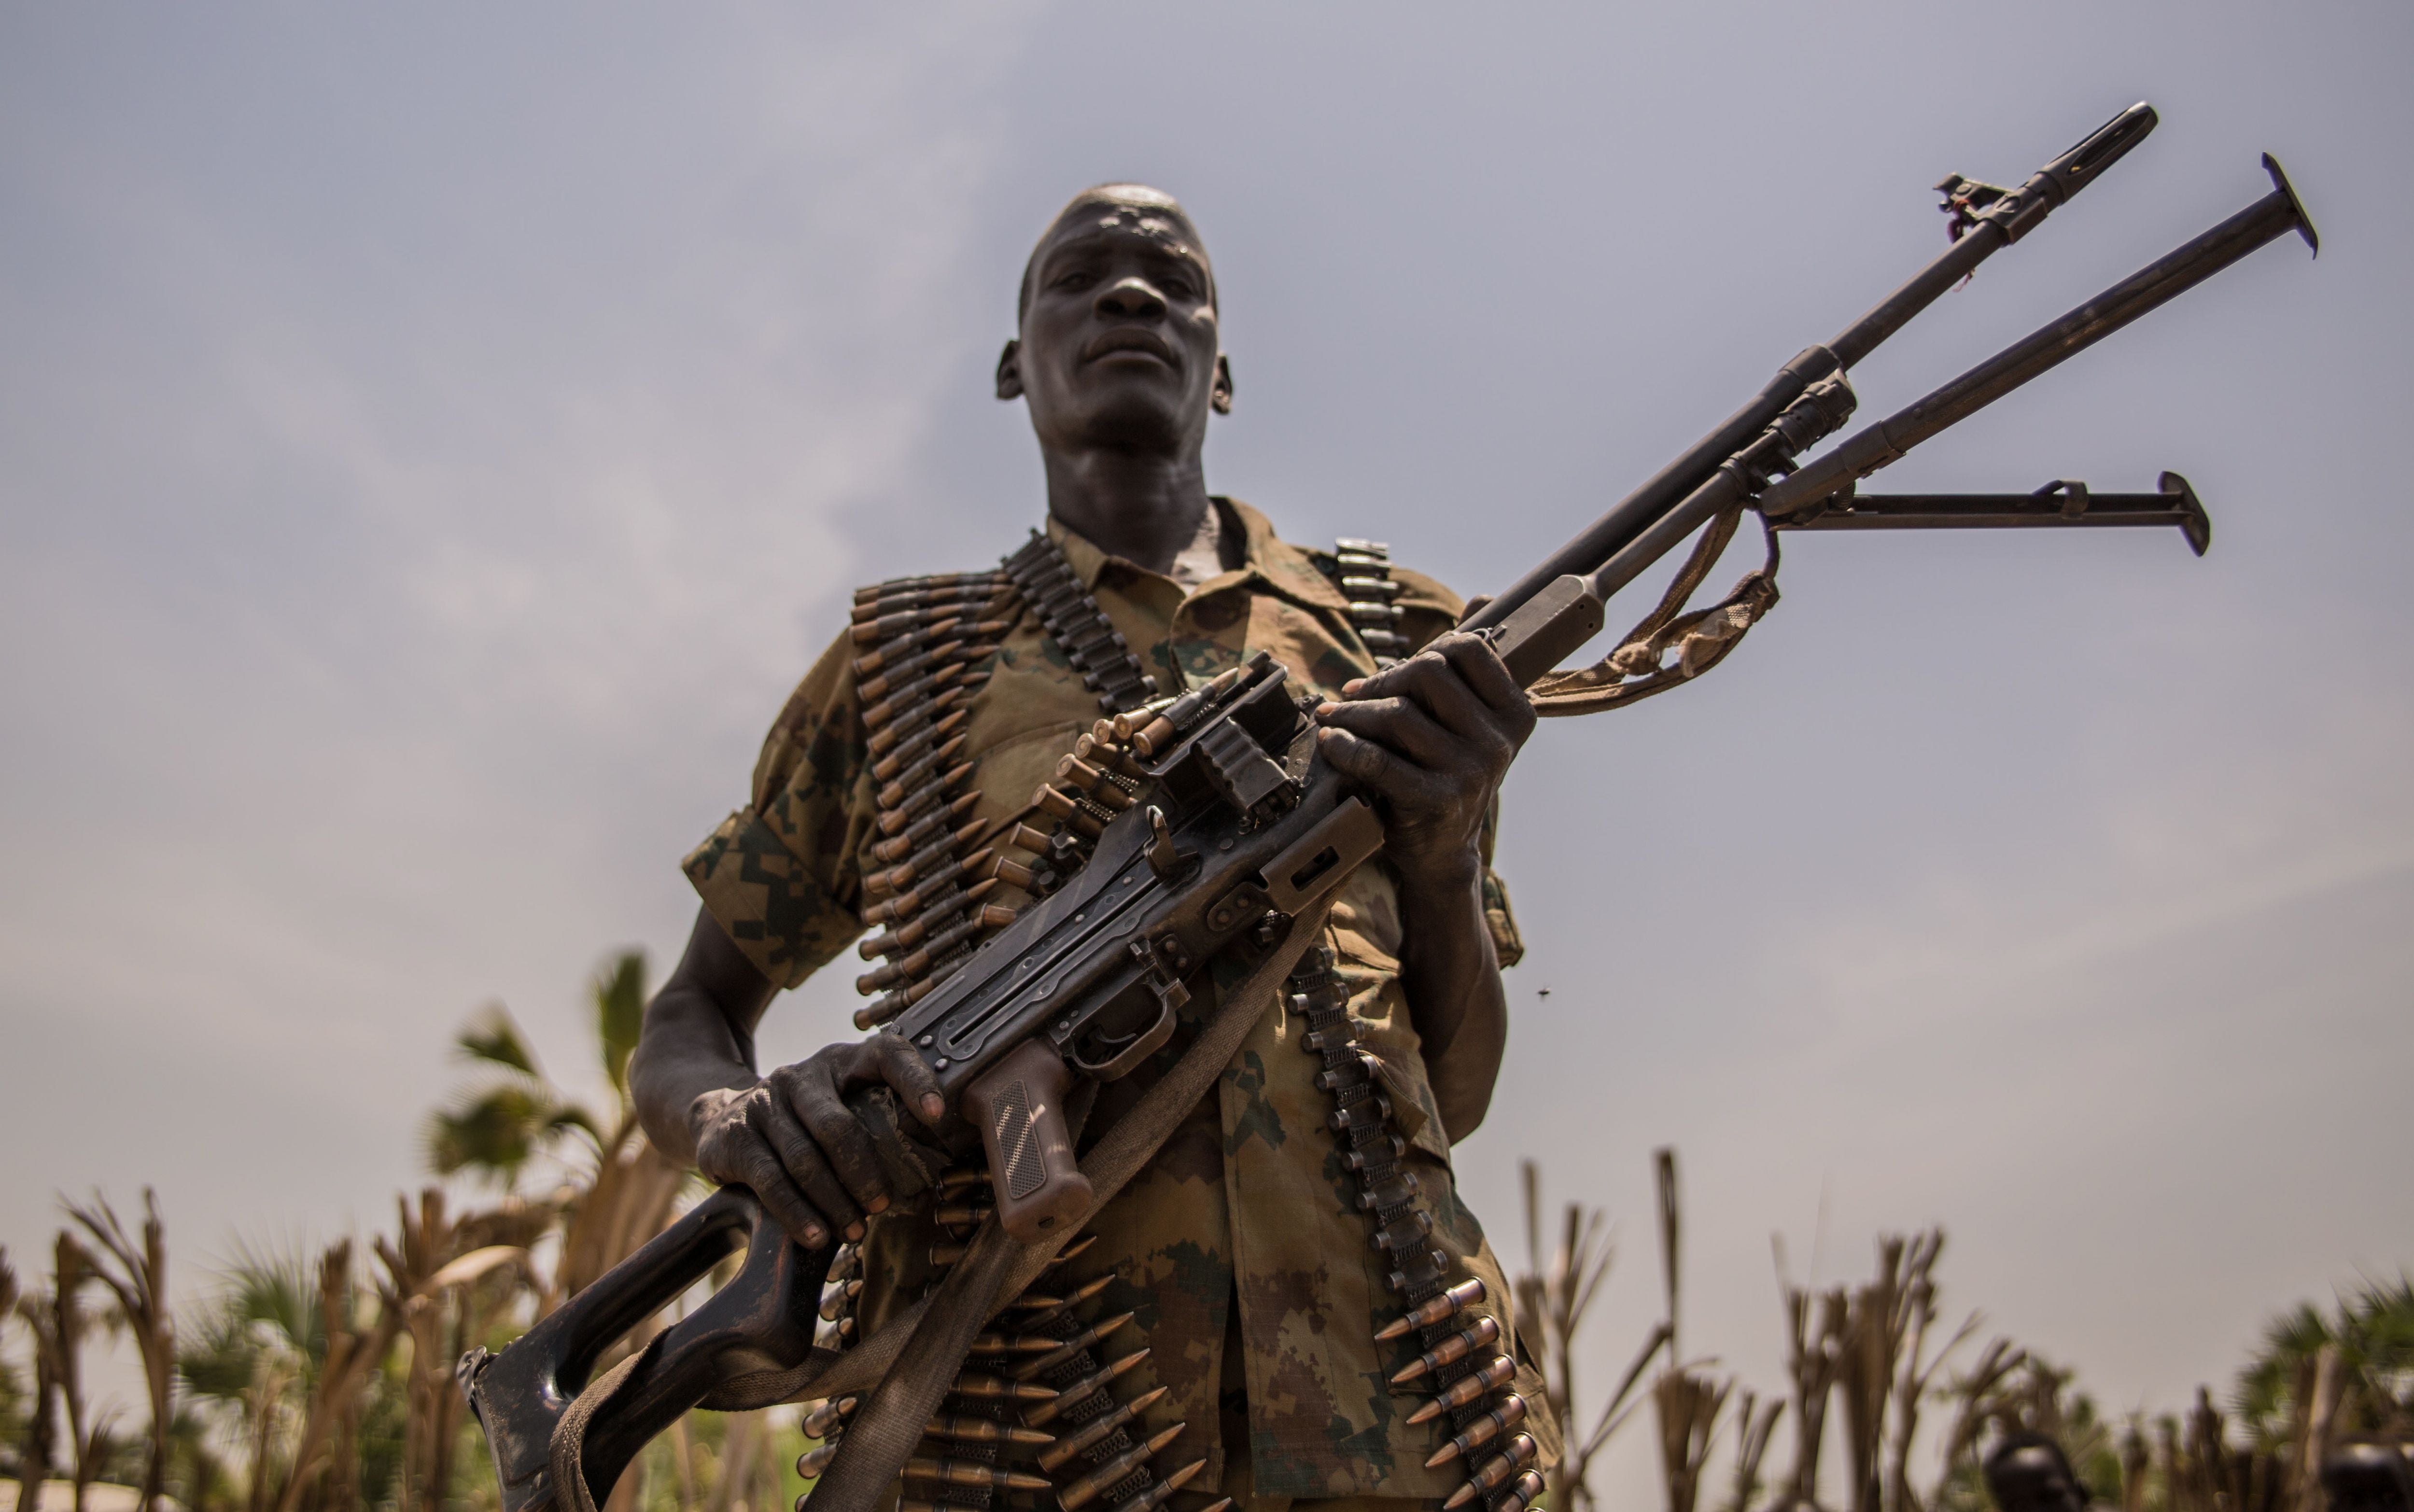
(1076, 280)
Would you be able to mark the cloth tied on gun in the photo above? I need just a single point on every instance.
(908, 1364)
(1639, 667)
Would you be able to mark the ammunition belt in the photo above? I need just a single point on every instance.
(918, 639)
(1361, 570)
(1465, 1363)
(929, 896)
(1035, 1409)
(1054, 593)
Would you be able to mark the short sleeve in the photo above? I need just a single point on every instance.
(780, 875)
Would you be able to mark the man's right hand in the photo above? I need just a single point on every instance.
(792, 1141)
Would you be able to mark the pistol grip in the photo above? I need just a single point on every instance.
(1019, 1106)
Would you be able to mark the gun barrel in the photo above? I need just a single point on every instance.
(2156, 283)
(2011, 217)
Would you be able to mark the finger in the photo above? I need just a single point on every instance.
(807, 1168)
(910, 1077)
(1405, 784)
(1400, 726)
(1488, 676)
(759, 1171)
(1435, 684)
(843, 1144)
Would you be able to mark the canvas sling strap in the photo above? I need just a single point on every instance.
(1701, 638)
(908, 1364)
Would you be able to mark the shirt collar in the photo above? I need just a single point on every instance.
(1267, 561)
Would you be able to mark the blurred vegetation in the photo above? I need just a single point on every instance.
(1878, 1389)
(322, 1380)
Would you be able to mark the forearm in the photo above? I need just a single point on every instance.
(1452, 981)
(687, 1048)
(698, 1037)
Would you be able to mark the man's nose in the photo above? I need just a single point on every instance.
(1131, 299)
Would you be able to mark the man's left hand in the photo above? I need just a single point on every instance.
(1433, 736)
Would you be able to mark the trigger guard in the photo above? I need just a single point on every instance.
(1126, 1061)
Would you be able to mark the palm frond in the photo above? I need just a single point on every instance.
(619, 994)
(492, 1128)
(492, 1035)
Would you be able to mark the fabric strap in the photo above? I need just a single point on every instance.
(912, 1361)
(1701, 638)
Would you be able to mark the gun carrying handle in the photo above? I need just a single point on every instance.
(1019, 1106)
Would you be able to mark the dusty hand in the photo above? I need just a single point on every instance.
(790, 1140)
(1433, 736)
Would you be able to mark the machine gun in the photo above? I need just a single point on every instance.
(1232, 830)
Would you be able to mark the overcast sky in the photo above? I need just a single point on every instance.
(432, 440)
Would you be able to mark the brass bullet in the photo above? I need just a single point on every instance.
(974, 1386)
(1158, 1494)
(1086, 1489)
(1081, 1389)
(1457, 1346)
(964, 1428)
(1521, 1495)
(1033, 1302)
(972, 1472)
(826, 1414)
(1066, 1349)
(1510, 1411)
(1516, 1457)
(1435, 1310)
(1013, 1343)
(1096, 1428)
(1467, 1388)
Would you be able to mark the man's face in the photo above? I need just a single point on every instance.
(1118, 342)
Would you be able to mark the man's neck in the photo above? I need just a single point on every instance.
(1142, 509)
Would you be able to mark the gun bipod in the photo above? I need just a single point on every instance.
(2063, 502)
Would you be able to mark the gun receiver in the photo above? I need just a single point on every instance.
(1243, 823)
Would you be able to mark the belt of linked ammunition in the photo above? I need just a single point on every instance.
(918, 640)
(1462, 1356)
(1035, 1406)
(1363, 572)
(1079, 628)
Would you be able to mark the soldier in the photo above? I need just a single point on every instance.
(893, 787)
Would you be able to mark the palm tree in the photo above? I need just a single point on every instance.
(623, 1191)
(2370, 1332)
(251, 1359)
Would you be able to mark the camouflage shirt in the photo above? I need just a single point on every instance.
(1247, 1202)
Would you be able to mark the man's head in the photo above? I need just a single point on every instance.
(1119, 346)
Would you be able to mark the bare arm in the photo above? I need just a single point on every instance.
(1433, 736)
(787, 1138)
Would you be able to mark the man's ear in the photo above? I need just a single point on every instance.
(1219, 398)
(1009, 371)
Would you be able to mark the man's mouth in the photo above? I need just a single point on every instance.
(1129, 338)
